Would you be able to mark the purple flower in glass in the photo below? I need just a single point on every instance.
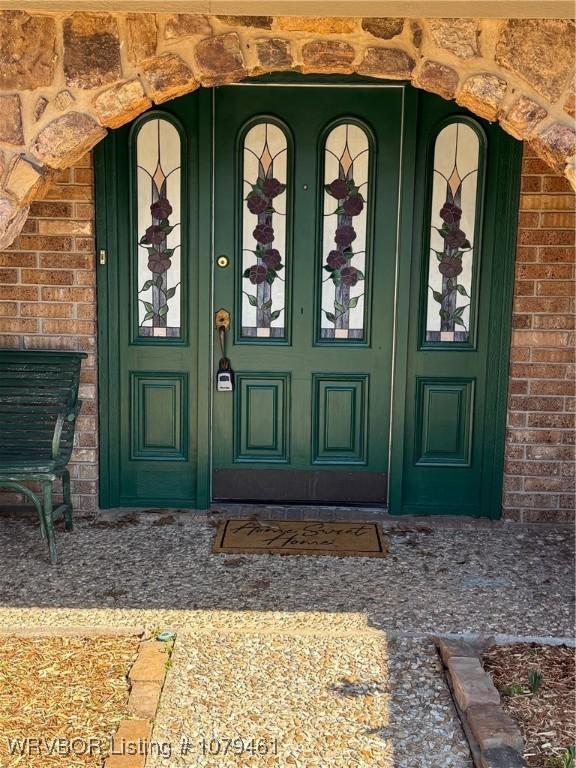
(256, 203)
(336, 260)
(263, 234)
(257, 274)
(272, 258)
(161, 209)
(455, 238)
(450, 213)
(345, 235)
(450, 266)
(272, 187)
(349, 276)
(154, 235)
(338, 189)
(353, 205)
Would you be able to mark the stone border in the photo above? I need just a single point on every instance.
(67, 78)
(146, 678)
(494, 738)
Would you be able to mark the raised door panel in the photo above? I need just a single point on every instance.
(159, 416)
(339, 419)
(261, 415)
(444, 422)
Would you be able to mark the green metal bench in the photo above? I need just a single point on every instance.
(38, 408)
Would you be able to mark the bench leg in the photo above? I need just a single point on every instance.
(68, 525)
(48, 520)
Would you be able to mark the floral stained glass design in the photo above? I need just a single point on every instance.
(158, 182)
(264, 232)
(452, 235)
(346, 171)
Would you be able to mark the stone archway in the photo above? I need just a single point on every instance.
(65, 79)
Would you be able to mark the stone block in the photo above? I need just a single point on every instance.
(185, 25)
(220, 59)
(168, 76)
(556, 145)
(327, 56)
(91, 50)
(471, 683)
(143, 700)
(252, 22)
(12, 218)
(390, 63)
(65, 140)
(28, 51)
(540, 51)
(436, 78)
(23, 179)
(132, 736)
(150, 666)
(39, 108)
(274, 54)
(384, 28)
(11, 130)
(457, 36)
(493, 728)
(448, 648)
(141, 36)
(523, 117)
(63, 100)
(319, 25)
(482, 94)
(570, 103)
(121, 103)
(501, 757)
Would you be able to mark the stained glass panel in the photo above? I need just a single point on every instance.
(452, 233)
(265, 180)
(346, 172)
(158, 191)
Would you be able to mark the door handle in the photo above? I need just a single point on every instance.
(222, 323)
(225, 375)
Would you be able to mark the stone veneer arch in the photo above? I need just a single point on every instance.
(65, 79)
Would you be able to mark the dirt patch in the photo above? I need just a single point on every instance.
(56, 694)
(537, 685)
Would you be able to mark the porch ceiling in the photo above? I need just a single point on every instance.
(527, 9)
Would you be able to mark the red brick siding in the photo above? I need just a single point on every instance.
(539, 473)
(48, 301)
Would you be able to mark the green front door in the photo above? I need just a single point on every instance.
(361, 237)
(306, 211)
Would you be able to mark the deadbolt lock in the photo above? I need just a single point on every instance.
(222, 261)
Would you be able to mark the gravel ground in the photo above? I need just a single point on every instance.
(328, 641)
(492, 579)
(310, 695)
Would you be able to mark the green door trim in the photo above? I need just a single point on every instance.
(500, 233)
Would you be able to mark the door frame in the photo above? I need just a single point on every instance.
(408, 249)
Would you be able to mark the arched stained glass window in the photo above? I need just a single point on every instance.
(158, 217)
(264, 223)
(453, 236)
(346, 194)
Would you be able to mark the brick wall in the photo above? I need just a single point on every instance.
(48, 301)
(539, 474)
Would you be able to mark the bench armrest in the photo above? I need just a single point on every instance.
(62, 417)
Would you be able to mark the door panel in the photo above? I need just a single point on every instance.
(306, 191)
(448, 429)
(152, 331)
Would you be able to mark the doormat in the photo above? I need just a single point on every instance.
(302, 537)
